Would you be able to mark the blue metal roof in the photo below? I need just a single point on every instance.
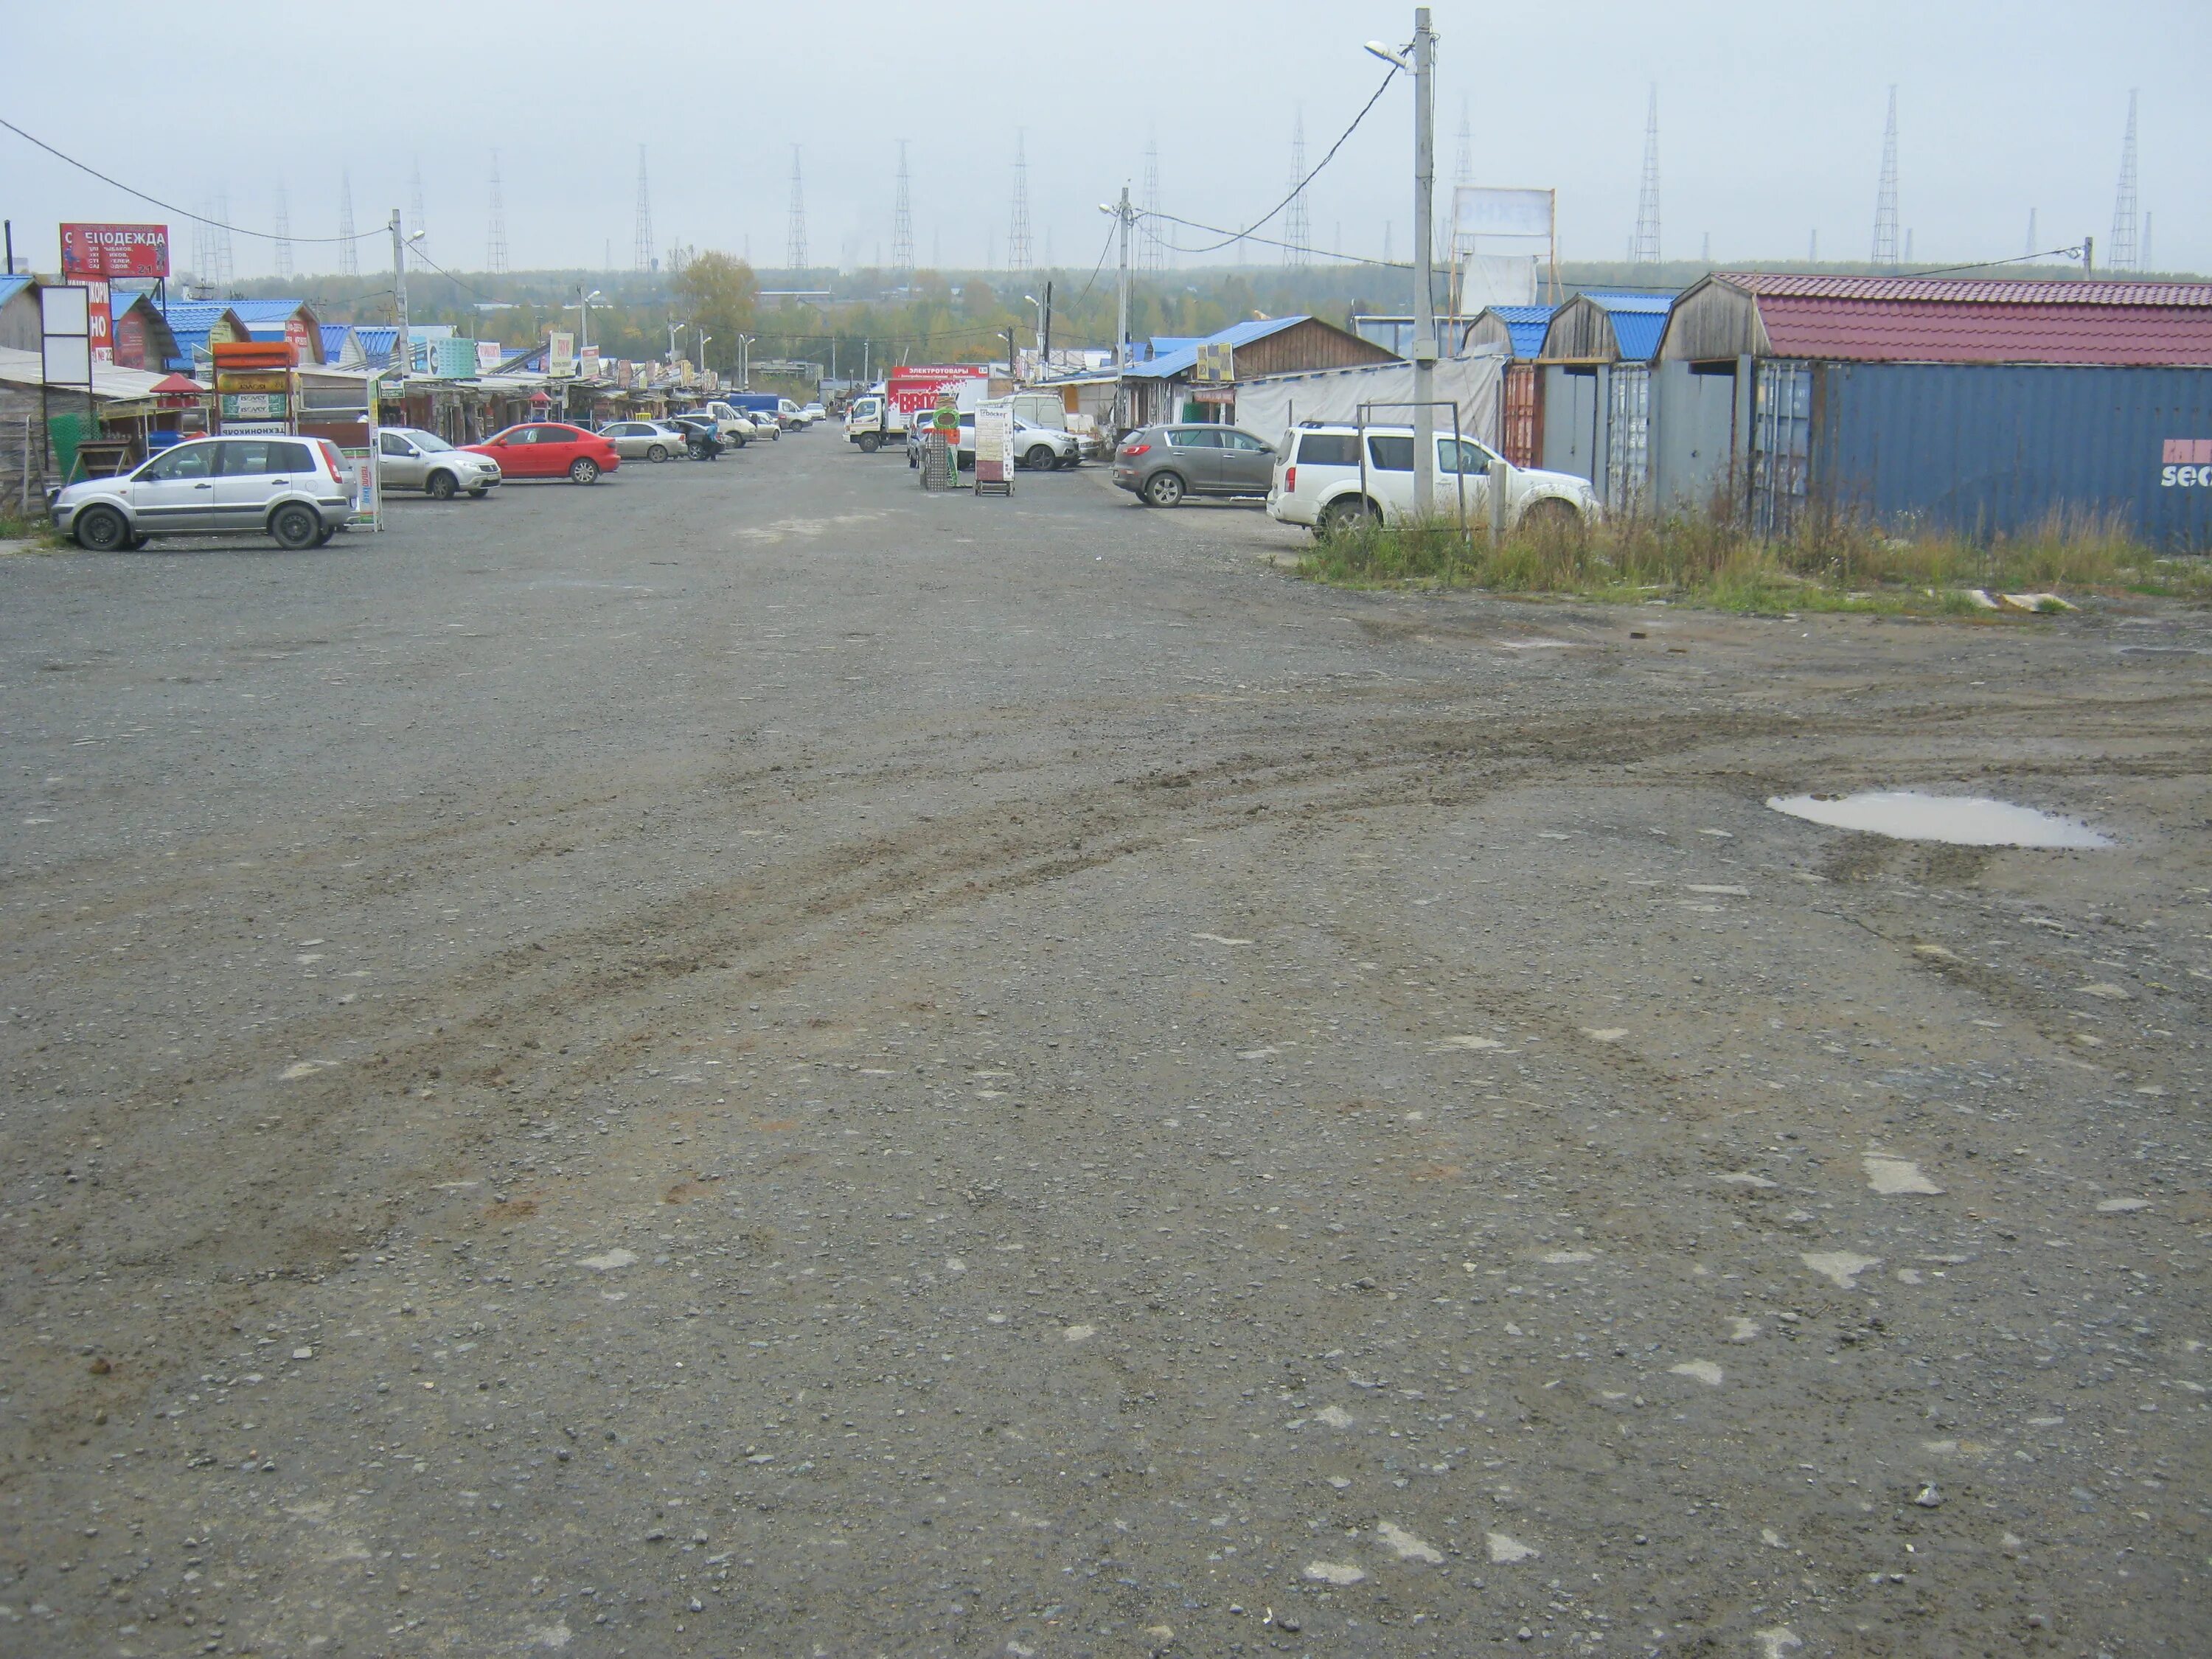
(254, 312)
(1639, 320)
(376, 340)
(333, 340)
(11, 286)
(1184, 358)
(1524, 325)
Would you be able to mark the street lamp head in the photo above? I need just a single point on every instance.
(1388, 55)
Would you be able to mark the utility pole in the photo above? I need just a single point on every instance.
(1123, 215)
(1424, 307)
(403, 349)
(1044, 346)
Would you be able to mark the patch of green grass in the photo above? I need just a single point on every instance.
(1825, 564)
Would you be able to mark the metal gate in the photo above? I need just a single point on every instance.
(1781, 445)
(1523, 427)
(1628, 447)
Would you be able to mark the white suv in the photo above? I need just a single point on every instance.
(294, 490)
(1319, 482)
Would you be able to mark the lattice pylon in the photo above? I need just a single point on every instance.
(1152, 246)
(1297, 235)
(903, 219)
(1018, 223)
(348, 250)
(1884, 201)
(640, 256)
(794, 234)
(283, 252)
(496, 236)
(1647, 195)
(2125, 254)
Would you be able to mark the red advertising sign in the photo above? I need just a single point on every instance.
(910, 389)
(100, 305)
(303, 341)
(109, 251)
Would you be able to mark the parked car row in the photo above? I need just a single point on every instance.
(1039, 448)
(1314, 476)
(300, 491)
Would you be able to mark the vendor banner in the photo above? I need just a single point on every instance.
(112, 251)
(560, 355)
(488, 357)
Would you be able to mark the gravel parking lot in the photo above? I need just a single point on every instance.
(749, 1061)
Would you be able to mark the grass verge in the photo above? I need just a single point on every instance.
(1836, 565)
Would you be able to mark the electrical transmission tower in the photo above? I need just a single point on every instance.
(641, 247)
(1018, 229)
(1463, 169)
(417, 221)
(284, 250)
(348, 250)
(2144, 262)
(1884, 201)
(794, 235)
(2031, 249)
(219, 246)
(1151, 249)
(1647, 195)
(1298, 237)
(2125, 254)
(1448, 248)
(903, 219)
(495, 239)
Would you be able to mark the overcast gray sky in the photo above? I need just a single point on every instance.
(1770, 119)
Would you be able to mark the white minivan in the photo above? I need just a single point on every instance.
(1320, 482)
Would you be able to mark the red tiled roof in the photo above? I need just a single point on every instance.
(1934, 319)
(1978, 290)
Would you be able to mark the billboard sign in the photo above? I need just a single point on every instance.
(107, 252)
(910, 389)
(560, 355)
(488, 357)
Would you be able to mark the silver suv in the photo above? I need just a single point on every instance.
(293, 490)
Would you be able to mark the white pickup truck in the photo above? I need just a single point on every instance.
(1320, 482)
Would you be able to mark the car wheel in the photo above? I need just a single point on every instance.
(1069, 462)
(440, 487)
(1552, 518)
(478, 494)
(583, 470)
(1040, 457)
(101, 530)
(1345, 512)
(657, 454)
(1164, 490)
(295, 527)
(870, 443)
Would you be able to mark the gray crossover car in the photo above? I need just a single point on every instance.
(408, 458)
(1161, 464)
(293, 490)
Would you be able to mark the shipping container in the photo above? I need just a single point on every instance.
(1986, 449)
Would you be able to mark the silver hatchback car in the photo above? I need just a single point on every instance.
(293, 490)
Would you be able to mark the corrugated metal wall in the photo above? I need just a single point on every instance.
(2000, 448)
(1693, 437)
(1572, 407)
(1521, 433)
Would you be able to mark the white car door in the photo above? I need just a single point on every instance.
(1469, 463)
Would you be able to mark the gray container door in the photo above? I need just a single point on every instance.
(1628, 445)
(1781, 445)
(1692, 437)
(1570, 423)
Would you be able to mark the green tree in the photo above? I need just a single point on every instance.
(720, 295)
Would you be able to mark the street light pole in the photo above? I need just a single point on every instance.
(1424, 314)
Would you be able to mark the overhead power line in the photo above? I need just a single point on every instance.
(1266, 241)
(1296, 188)
(170, 206)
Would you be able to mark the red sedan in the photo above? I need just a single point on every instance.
(548, 450)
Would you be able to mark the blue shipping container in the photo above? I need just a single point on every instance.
(1997, 449)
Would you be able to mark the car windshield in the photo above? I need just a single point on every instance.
(430, 442)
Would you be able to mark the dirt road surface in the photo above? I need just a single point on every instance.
(746, 1061)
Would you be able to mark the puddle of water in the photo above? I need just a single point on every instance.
(1961, 820)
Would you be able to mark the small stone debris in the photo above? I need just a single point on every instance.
(2121, 1206)
(1719, 891)
(1894, 1176)
(1703, 1370)
(1340, 1573)
(1774, 1642)
(1078, 1332)
(608, 1263)
(1474, 1042)
(1506, 1550)
(1929, 1499)
(1605, 1033)
(1335, 1416)
(1409, 1547)
(2108, 991)
(1843, 1267)
(303, 1353)
(1744, 1178)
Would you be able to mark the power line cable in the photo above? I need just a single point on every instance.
(171, 207)
(1267, 241)
(1245, 234)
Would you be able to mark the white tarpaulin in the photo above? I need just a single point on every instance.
(1269, 406)
(1497, 279)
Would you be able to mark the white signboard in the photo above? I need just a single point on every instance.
(1481, 211)
(488, 355)
(560, 355)
(995, 445)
